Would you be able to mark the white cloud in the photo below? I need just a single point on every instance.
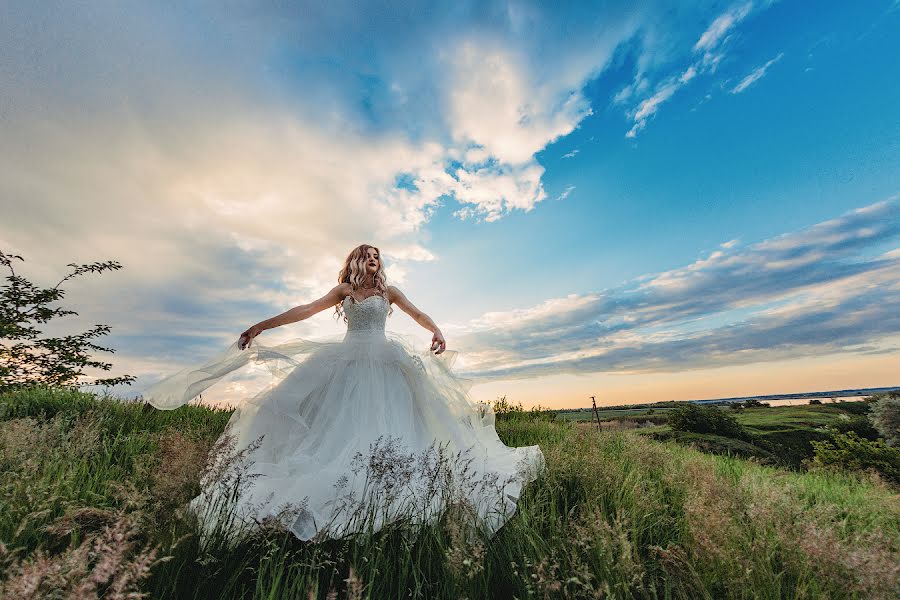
(495, 106)
(490, 192)
(721, 25)
(566, 192)
(507, 119)
(648, 107)
(755, 75)
(636, 87)
(689, 74)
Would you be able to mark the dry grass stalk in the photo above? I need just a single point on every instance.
(108, 564)
(181, 462)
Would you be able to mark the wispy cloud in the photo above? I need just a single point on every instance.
(646, 109)
(636, 87)
(571, 154)
(755, 75)
(650, 106)
(832, 287)
(565, 193)
(708, 51)
(721, 25)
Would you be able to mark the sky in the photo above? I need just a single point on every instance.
(634, 200)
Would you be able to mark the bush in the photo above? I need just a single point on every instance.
(885, 416)
(504, 409)
(815, 401)
(854, 407)
(754, 403)
(859, 425)
(695, 418)
(849, 452)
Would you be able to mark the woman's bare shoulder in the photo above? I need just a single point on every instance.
(340, 291)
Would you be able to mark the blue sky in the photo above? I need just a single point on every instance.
(664, 202)
(798, 147)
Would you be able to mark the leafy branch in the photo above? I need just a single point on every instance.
(26, 359)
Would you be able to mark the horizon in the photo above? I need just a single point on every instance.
(631, 201)
(786, 396)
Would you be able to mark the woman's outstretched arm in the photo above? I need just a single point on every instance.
(298, 313)
(438, 344)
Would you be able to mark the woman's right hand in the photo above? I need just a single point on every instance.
(248, 336)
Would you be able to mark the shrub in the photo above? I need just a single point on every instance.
(754, 403)
(815, 401)
(849, 452)
(885, 416)
(854, 407)
(858, 424)
(695, 418)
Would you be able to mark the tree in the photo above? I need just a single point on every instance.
(885, 416)
(26, 360)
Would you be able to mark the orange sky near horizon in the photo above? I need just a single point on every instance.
(831, 372)
(811, 374)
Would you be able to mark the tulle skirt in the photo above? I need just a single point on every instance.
(352, 435)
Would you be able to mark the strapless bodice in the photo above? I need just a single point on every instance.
(368, 315)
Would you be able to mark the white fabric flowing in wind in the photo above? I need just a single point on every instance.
(359, 433)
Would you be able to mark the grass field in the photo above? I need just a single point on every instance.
(92, 494)
(816, 415)
(781, 435)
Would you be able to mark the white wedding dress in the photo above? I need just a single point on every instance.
(359, 433)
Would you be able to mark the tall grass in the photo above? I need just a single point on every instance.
(93, 493)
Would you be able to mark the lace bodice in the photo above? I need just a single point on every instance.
(368, 315)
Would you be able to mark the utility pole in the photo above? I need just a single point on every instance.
(596, 412)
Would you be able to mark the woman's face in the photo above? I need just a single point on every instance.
(373, 261)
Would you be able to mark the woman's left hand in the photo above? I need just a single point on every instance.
(438, 344)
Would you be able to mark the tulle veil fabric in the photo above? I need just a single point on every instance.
(362, 426)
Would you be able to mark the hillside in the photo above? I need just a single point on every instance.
(781, 435)
(92, 491)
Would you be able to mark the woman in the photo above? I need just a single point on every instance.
(359, 432)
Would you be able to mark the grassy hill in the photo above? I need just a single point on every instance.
(780, 435)
(92, 493)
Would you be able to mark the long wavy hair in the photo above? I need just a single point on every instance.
(354, 273)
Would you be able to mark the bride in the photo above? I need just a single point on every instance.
(360, 432)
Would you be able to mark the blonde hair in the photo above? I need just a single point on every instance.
(354, 273)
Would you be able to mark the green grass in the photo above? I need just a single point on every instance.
(808, 415)
(781, 435)
(615, 514)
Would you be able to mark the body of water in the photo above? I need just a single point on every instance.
(824, 400)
